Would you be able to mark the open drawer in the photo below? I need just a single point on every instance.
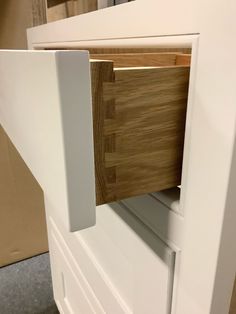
(123, 113)
(139, 109)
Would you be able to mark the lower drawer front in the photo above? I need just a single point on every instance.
(129, 269)
(71, 291)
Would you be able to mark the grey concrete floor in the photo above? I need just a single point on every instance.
(26, 288)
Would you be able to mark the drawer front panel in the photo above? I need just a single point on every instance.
(71, 291)
(85, 265)
(38, 93)
(122, 257)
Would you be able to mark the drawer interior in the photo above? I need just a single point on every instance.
(144, 59)
(139, 111)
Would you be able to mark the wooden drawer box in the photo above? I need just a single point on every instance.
(107, 121)
(139, 109)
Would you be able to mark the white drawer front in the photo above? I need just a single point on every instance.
(72, 293)
(45, 105)
(128, 267)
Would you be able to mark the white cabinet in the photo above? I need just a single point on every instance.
(47, 111)
(119, 265)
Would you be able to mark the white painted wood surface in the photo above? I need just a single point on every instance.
(131, 261)
(208, 263)
(166, 223)
(71, 290)
(45, 108)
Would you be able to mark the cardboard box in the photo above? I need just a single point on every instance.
(22, 218)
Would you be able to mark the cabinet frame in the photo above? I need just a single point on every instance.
(207, 197)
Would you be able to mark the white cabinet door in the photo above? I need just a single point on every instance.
(45, 108)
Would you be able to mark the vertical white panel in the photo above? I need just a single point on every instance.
(45, 108)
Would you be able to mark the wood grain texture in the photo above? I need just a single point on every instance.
(145, 59)
(61, 10)
(84, 6)
(53, 3)
(138, 59)
(183, 59)
(58, 9)
(119, 50)
(39, 12)
(101, 72)
(139, 122)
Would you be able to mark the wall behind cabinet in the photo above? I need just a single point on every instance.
(22, 218)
